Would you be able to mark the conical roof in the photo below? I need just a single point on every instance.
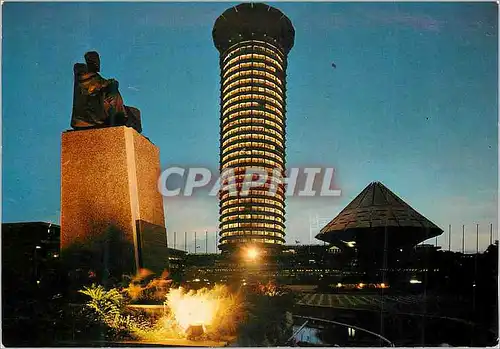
(378, 207)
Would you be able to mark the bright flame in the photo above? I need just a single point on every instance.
(205, 307)
(216, 309)
(192, 308)
(156, 288)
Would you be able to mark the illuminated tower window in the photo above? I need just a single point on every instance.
(254, 40)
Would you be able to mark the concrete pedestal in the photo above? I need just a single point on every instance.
(111, 211)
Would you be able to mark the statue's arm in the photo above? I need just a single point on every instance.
(105, 85)
(96, 85)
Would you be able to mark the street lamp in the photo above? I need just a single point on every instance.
(37, 247)
(252, 253)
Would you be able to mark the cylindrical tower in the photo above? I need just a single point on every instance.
(253, 40)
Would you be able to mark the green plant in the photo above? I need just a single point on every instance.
(109, 305)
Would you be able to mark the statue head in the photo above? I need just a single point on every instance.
(79, 68)
(93, 61)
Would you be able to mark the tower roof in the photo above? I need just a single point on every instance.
(251, 21)
(378, 207)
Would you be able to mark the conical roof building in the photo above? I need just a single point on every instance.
(375, 213)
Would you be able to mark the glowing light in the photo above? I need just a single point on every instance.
(415, 281)
(270, 289)
(252, 253)
(351, 243)
(192, 308)
(205, 307)
(339, 285)
(213, 311)
(383, 285)
(361, 285)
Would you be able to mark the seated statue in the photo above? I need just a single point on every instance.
(97, 101)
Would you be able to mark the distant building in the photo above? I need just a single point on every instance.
(427, 247)
(374, 239)
(253, 40)
(377, 220)
(176, 263)
(32, 282)
(28, 253)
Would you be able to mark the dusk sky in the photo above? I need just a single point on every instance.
(412, 102)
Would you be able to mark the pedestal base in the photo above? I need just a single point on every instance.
(111, 211)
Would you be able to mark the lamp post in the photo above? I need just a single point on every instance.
(477, 238)
(37, 247)
(475, 270)
(463, 238)
(449, 237)
(491, 233)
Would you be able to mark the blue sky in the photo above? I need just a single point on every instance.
(412, 103)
